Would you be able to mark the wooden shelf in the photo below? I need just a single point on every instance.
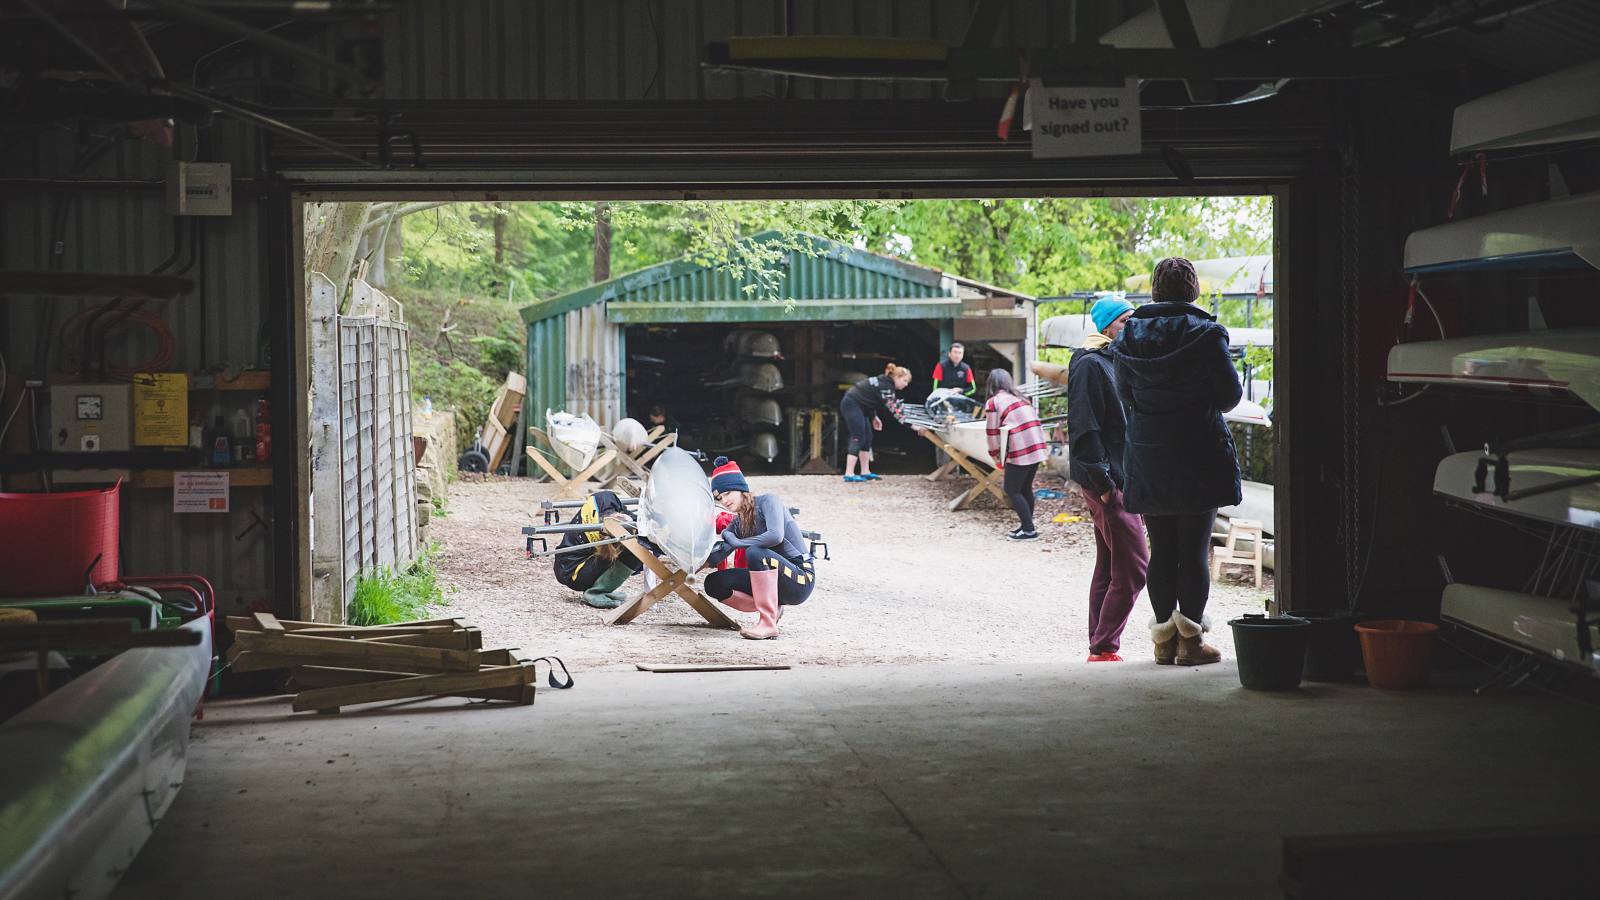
(258, 380)
(241, 477)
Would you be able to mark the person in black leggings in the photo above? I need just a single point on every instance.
(777, 570)
(1176, 379)
(1181, 574)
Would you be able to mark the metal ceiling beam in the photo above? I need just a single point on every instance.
(981, 29)
(1101, 64)
(94, 284)
(1181, 30)
(256, 117)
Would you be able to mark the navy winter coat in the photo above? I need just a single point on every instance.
(1176, 380)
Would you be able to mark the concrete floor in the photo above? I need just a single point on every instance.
(922, 781)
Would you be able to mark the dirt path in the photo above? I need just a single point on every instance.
(908, 582)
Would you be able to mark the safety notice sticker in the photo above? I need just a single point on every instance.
(1084, 121)
(200, 492)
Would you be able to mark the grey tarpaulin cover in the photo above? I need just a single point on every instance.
(676, 511)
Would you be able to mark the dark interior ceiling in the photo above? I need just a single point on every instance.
(77, 61)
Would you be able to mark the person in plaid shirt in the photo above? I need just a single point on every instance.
(1026, 446)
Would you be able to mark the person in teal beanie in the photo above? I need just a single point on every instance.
(1096, 433)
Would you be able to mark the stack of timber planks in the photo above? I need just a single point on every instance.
(333, 666)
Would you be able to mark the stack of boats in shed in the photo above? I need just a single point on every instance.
(1546, 483)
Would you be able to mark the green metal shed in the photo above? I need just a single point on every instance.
(577, 342)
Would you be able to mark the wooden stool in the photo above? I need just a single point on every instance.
(1230, 554)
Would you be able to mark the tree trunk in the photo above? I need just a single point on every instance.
(392, 249)
(499, 238)
(602, 241)
(332, 236)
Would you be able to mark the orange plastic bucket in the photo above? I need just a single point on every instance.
(1397, 653)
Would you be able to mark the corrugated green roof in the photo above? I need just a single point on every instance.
(832, 271)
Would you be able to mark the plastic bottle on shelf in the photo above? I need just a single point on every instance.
(244, 438)
(221, 454)
(263, 431)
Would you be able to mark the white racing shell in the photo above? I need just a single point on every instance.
(676, 511)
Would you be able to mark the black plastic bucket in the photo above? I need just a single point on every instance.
(1271, 651)
(1335, 648)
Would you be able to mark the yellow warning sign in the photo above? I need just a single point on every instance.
(160, 409)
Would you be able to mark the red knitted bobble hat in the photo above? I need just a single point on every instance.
(726, 476)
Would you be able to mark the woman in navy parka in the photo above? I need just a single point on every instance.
(1176, 380)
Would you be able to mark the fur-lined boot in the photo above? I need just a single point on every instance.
(1192, 648)
(1165, 636)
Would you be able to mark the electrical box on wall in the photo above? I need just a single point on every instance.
(91, 418)
(200, 189)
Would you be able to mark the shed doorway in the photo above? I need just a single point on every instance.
(908, 580)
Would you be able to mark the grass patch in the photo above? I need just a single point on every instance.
(439, 509)
(383, 596)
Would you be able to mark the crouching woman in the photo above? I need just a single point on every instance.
(777, 570)
(585, 563)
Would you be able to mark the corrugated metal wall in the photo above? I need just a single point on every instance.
(433, 49)
(650, 49)
(595, 367)
(220, 323)
(577, 359)
(858, 275)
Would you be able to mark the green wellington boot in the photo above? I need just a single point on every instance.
(604, 593)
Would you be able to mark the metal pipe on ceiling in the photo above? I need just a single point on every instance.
(263, 39)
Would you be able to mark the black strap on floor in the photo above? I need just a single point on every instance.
(552, 662)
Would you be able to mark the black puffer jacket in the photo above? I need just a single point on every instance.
(1176, 380)
(1096, 425)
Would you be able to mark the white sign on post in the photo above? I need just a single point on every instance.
(200, 492)
(1084, 121)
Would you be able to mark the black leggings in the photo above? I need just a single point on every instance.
(1019, 487)
(795, 580)
(858, 423)
(1180, 563)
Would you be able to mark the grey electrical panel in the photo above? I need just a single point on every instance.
(199, 189)
(91, 418)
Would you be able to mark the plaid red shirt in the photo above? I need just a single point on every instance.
(1025, 439)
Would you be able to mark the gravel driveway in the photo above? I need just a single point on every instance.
(909, 581)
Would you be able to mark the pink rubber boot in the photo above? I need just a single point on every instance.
(764, 591)
(741, 601)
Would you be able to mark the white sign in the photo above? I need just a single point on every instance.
(200, 492)
(1084, 121)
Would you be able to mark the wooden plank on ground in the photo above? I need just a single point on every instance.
(360, 654)
(673, 667)
(249, 623)
(330, 698)
(308, 677)
(256, 661)
(455, 639)
(266, 621)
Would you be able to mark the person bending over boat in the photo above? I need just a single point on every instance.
(862, 408)
(598, 572)
(777, 572)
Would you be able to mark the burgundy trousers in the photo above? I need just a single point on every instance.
(1121, 559)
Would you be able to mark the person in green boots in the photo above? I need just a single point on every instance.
(598, 570)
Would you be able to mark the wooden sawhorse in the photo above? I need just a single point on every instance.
(578, 485)
(986, 481)
(673, 581)
(638, 462)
